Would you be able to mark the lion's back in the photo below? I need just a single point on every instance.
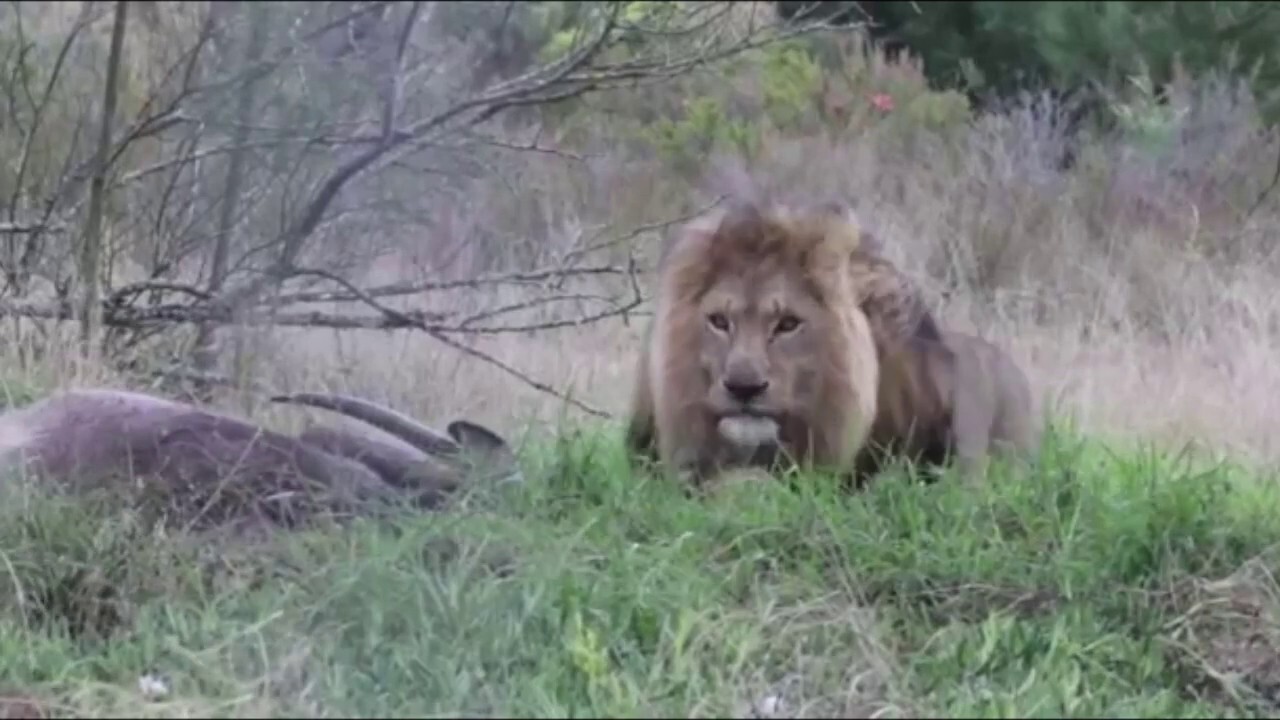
(990, 369)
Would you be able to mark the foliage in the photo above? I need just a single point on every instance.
(790, 88)
(704, 130)
(641, 24)
(791, 79)
(1001, 48)
(1148, 124)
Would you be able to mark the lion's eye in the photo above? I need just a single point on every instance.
(786, 324)
(719, 321)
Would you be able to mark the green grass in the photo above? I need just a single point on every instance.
(1134, 585)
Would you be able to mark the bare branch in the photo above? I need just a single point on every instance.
(91, 244)
(470, 321)
(400, 289)
(17, 228)
(563, 79)
(264, 68)
(40, 108)
(205, 350)
(231, 148)
(594, 246)
(531, 146)
(393, 79)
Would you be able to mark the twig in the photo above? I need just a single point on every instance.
(39, 110)
(635, 232)
(203, 378)
(1262, 196)
(510, 308)
(398, 316)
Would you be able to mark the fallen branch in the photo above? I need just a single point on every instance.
(386, 319)
(135, 318)
(126, 317)
(134, 289)
(400, 289)
(18, 228)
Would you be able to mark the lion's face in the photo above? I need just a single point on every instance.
(761, 342)
(758, 349)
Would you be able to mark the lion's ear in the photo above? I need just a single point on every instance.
(694, 233)
(869, 242)
(839, 208)
(739, 221)
(741, 218)
(859, 238)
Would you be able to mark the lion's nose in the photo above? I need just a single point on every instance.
(745, 389)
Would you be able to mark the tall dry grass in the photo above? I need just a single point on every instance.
(1137, 287)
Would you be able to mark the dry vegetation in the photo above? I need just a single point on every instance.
(1137, 287)
(1114, 283)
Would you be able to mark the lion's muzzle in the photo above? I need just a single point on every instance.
(745, 389)
(745, 423)
(746, 372)
(748, 432)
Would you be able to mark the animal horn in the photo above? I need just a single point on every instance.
(398, 424)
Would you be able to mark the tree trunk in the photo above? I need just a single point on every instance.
(91, 243)
(205, 353)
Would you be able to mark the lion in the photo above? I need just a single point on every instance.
(894, 305)
(758, 350)
(958, 397)
(941, 394)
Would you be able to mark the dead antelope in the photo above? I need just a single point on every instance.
(216, 470)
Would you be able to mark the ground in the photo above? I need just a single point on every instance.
(1105, 583)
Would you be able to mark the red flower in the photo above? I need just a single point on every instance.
(882, 102)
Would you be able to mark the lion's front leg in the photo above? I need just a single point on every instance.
(971, 433)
